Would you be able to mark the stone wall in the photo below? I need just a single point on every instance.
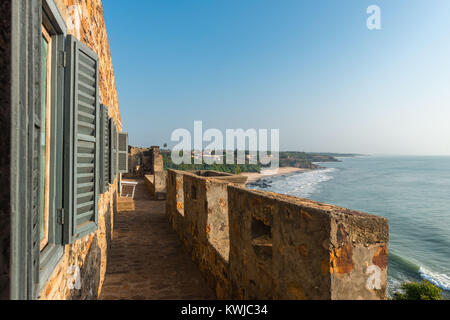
(156, 160)
(90, 254)
(142, 161)
(84, 19)
(261, 245)
(138, 162)
(156, 184)
(198, 211)
(156, 179)
(5, 146)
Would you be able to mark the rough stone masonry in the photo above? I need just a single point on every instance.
(262, 245)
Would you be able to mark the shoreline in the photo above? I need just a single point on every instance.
(253, 177)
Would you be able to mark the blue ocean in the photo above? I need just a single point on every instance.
(412, 192)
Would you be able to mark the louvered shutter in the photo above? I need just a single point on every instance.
(82, 128)
(113, 150)
(123, 152)
(104, 150)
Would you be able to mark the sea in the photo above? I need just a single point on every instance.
(412, 192)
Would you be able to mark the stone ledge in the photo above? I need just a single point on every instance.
(125, 204)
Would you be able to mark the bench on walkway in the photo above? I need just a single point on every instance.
(126, 200)
(129, 184)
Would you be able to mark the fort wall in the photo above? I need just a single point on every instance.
(261, 245)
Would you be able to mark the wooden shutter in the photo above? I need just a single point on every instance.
(104, 150)
(123, 152)
(35, 204)
(113, 150)
(82, 128)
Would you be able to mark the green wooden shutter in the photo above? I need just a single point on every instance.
(104, 150)
(123, 152)
(113, 150)
(108, 151)
(82, 128)
(35, 204)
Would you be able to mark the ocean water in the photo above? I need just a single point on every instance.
(412, 192)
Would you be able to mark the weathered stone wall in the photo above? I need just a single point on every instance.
(260, 245)
(90, 254)
(142, 161)
(84, 19)
(149, 180)
(156, 160)
(175, 202)
(138, 162)
(304, 249)
(160, 185)
(5, 147)
(197, 210)
(156, 179)
(156, 184)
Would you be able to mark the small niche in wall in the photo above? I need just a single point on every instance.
(262, 239)
(179, 193)
(193, 192)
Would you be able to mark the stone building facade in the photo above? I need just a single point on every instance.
(77, 267)
(85, 20)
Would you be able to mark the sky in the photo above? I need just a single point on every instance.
(309, 68)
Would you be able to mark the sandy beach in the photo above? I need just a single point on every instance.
(265, 173)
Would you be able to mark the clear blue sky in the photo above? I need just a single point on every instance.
(310, 68)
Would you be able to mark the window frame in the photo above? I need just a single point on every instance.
(52, 254)
(47, 127)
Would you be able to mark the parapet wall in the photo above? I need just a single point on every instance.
(261, 245)
(156, 184)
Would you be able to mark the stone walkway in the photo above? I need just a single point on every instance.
(147, 260)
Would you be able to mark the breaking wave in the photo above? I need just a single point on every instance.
(439, 279)
(301, 184)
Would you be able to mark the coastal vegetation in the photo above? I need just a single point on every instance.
(305, 159)
(228, 168)
(424, 290)
(294, 159)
